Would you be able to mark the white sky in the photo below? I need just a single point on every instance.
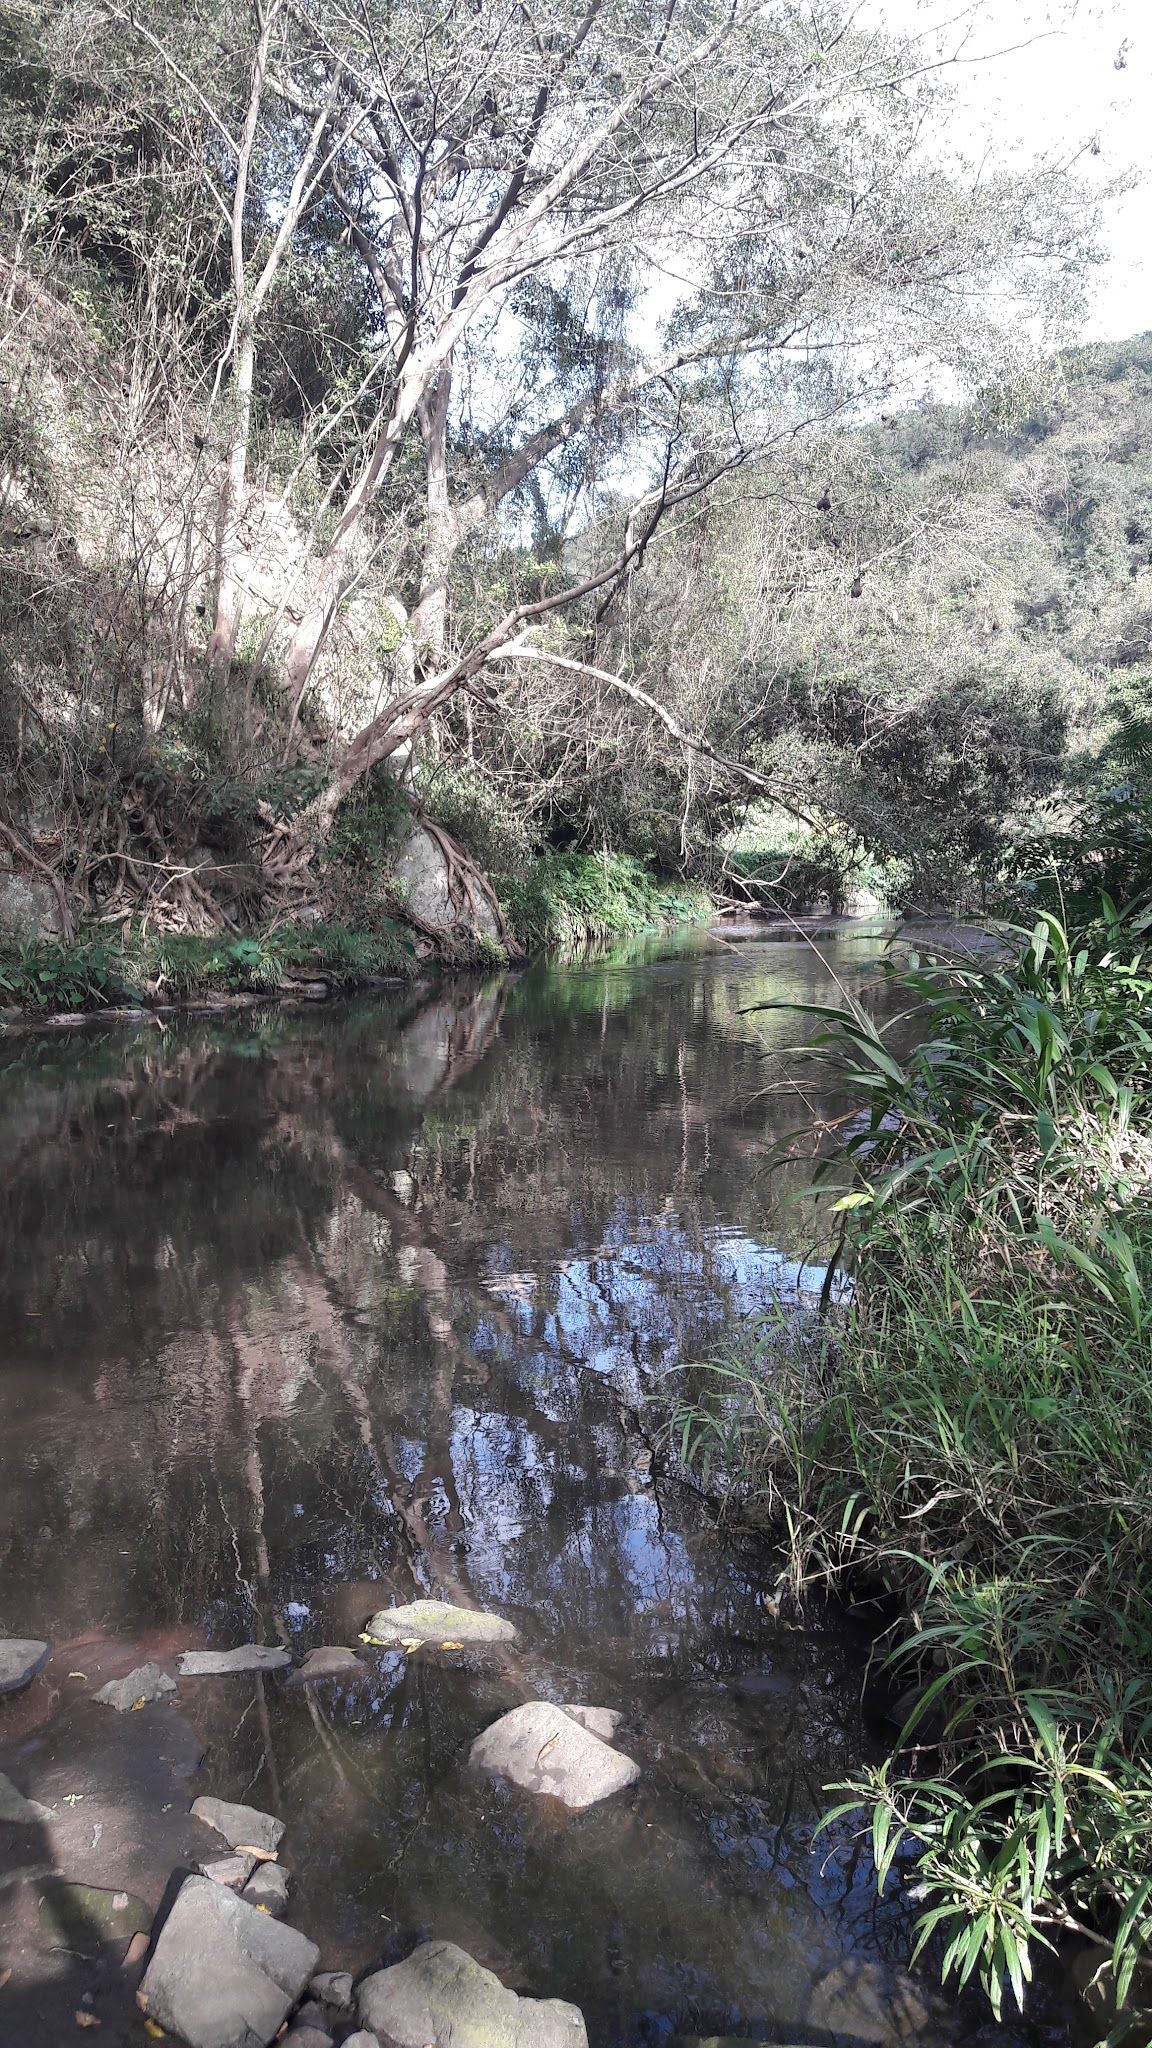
(1059, 92)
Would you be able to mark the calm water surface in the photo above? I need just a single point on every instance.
(301, 1314)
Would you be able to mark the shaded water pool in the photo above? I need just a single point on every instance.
(305, 1313)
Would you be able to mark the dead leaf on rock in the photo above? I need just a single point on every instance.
(4, 1976)
(249, 1849)
(86, 2019)
(156, 2032)
(451, 1646)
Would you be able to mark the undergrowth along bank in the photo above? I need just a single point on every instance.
(574, 899)
(967, 1440)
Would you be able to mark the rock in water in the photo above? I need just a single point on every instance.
(542, 1749)
(434, 1621)
(141, 1686)
(333, 1988)
(873, 2002)
(20, 1811)
(223, 1975)
(243, 1827)
(268, 1887)
(601, 1721)
(20, 1660)
(440, 1998)
(247, 1657)
(329, 1662)
(234, 1871)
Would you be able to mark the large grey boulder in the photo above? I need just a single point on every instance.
(223, 1975)
(421, 871)
(434, 1621)
(16, 1809)
(28, 907)
(542, 1749)
(148, 1682)
(20, 1660)
(219, 1663)
(243, 1827)
(441, 1998)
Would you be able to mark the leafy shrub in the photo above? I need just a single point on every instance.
(570, 899)
(88, 975)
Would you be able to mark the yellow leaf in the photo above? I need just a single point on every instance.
(156, 2032)
(261, 1855)
(451, 1646)
(137, 1704)
(411, 1643)
(79, 1674)
(261, 1909)
(377, 1642)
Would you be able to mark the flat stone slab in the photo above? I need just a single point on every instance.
(441, 1998)
(873, 2002)
(268, 1887)
(223, 1975)
(20, 1660)
(246, 1657)
(18, 1810)
(434, 1621)
(243, 1827)
(147, 1683)
(89, 1916)
(542, 1749)
(327, 1663)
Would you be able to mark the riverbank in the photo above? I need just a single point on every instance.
(963, 1447)
(563, 901)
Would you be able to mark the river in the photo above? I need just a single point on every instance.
(304, 1312)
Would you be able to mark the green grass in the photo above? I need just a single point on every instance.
(150, 967)
(967, 1441)
(567, 900)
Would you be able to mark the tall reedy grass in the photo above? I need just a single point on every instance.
(967, 1438)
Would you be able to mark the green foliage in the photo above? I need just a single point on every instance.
(571, 899)
(88, 975)
(167, 967)
(372, 818)
(970, 1436)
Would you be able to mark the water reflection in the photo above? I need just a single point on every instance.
(303, 1312)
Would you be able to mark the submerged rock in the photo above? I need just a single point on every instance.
(329, 1662)
(246, 1657)
(223, 1975)
(20, 1660)
(873, 2002)
(268, 1887)
(434, 1621)
(441, 1998)
(16, 1809)
(243, 1827)
(541, 1748)
(148, 1682)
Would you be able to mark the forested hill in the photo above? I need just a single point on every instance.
(934, 625)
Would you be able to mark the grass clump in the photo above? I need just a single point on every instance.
(566, 900)
(968, 1439)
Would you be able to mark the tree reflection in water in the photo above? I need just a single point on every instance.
(310, 1311)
